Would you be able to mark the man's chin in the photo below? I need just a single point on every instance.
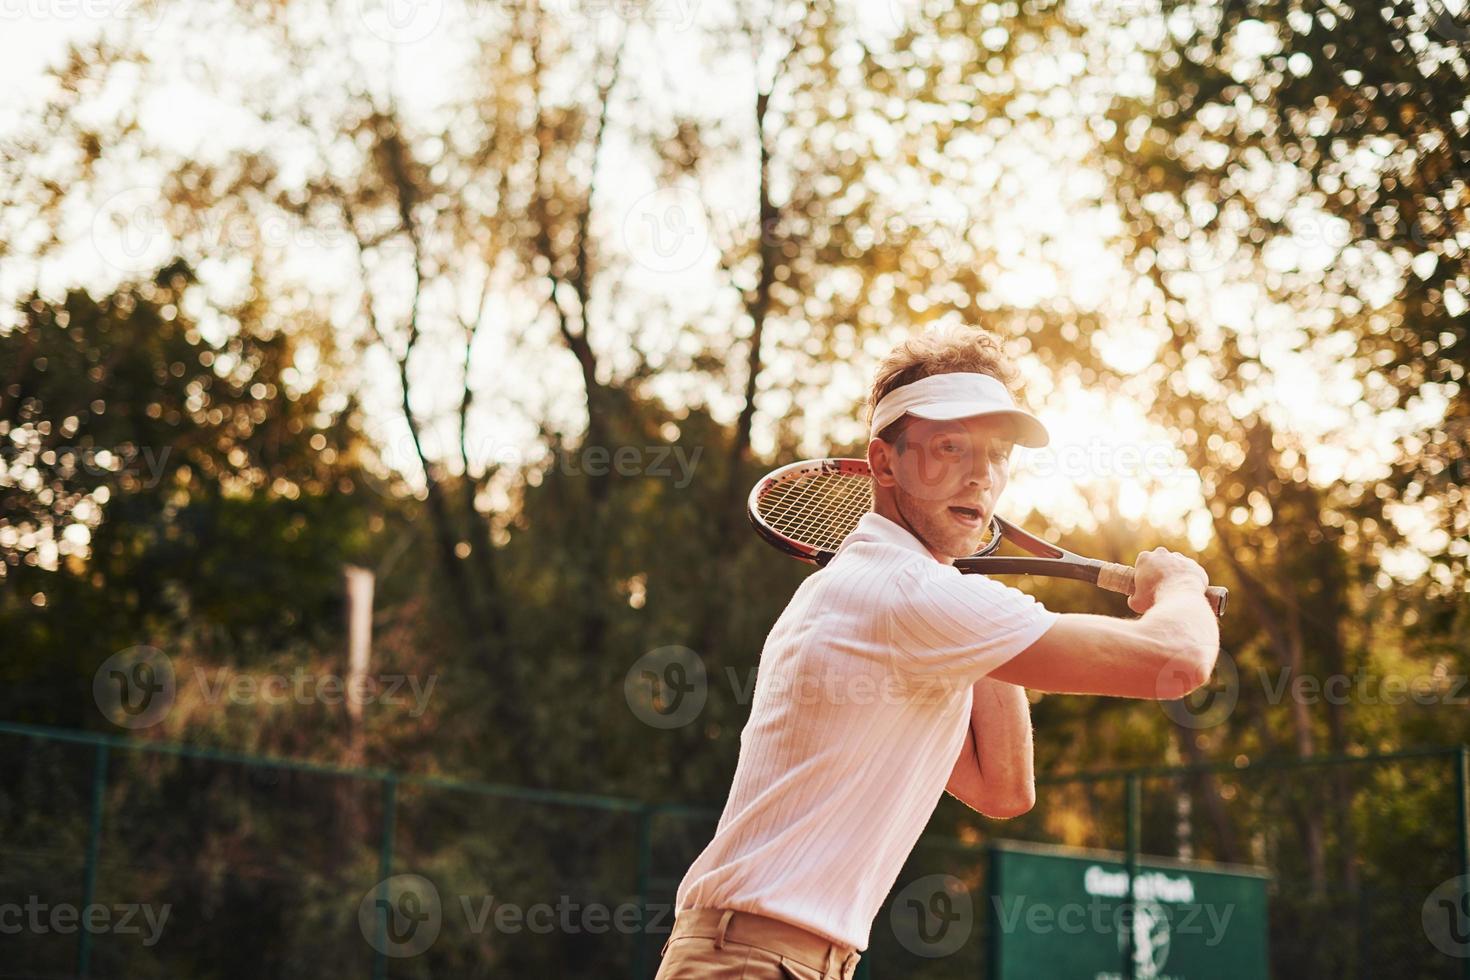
(969, 545)
(943, 535)
(958, 547)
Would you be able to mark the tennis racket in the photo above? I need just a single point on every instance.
(805, 509)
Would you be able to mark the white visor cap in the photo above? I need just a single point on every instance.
(957, 395)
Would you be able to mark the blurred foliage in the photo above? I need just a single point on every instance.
(157, 482)
(189, 460)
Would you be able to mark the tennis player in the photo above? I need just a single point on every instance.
(891, 678)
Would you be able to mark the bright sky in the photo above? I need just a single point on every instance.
(27, 46)
(1106, 459)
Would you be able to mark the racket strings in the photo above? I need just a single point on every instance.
(818, 509)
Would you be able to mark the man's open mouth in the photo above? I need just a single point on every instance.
(967, 515)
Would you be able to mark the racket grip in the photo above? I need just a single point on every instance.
(1119, 578)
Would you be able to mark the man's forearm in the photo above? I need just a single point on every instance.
(994, 773)
(1188, 633)
(1167, 653)
(1184, 613)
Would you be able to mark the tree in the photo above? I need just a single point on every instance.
(158, 481)
(1355, 110)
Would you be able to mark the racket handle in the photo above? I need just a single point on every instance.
(1119, 578)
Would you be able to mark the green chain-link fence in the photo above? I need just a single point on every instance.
(137, 858)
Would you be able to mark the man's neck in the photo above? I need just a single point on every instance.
(885, 505)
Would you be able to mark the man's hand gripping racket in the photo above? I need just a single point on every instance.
(806, 509)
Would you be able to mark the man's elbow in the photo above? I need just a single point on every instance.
(1187, 672)
(1014, 804)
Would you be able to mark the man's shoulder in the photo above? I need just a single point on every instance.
(918, 584)
(873, 563)
(881, 572)
(862, 549)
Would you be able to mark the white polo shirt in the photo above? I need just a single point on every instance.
(862, 703)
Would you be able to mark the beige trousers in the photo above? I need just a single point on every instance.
(721, 944)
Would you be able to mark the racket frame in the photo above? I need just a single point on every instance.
(1045, 559)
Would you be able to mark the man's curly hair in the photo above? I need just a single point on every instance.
(967, 349)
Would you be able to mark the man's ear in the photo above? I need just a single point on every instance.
(881, 457)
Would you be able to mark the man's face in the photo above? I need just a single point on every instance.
(946, 479)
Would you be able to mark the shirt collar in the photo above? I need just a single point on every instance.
(873, 526)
